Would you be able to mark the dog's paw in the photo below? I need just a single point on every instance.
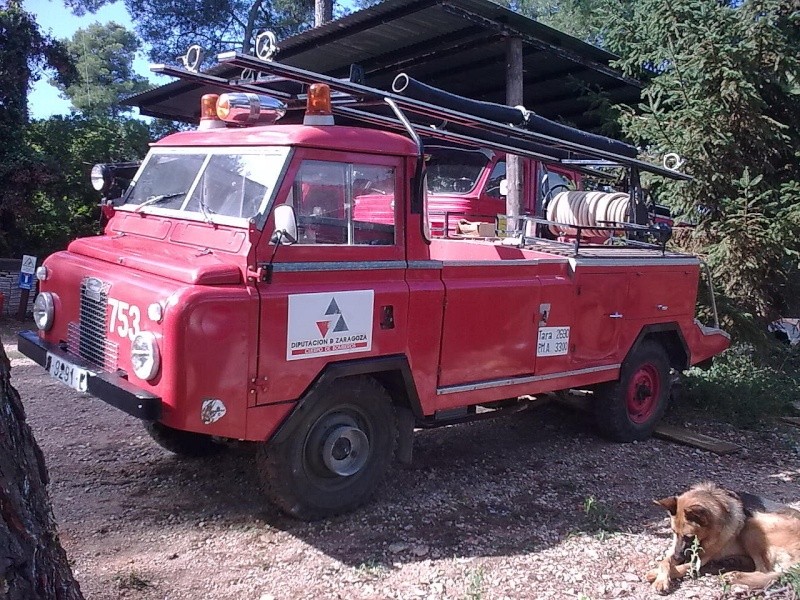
(661, 584)
(733, 577)
(651, 575)
(750, 579)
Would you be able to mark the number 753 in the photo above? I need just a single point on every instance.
(124, 319)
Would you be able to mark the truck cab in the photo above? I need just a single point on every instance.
(469, 184)
(279, 284)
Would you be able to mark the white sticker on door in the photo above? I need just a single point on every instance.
(553, 341)
(329, 323)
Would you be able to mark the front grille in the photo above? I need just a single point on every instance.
(87, 337)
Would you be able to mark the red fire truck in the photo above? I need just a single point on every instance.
(277, 283)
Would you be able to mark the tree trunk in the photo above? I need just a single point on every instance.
(33, 565)
(323, 12)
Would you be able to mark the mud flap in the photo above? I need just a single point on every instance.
(405, 435)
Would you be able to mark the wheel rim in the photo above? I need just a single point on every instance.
(345, 450)
(337, 446)
(643, 393)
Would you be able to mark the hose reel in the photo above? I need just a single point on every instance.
(588, 209)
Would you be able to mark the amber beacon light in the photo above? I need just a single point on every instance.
(318, 105)
(208, 112)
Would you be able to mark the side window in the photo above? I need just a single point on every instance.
(344, 203)
(497, 175)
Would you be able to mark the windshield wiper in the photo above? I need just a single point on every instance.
(158, 199)
(205, 210)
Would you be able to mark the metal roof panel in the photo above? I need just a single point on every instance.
(456, 45)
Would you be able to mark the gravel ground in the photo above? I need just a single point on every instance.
(530, 506)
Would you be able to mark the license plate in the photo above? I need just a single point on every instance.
(66, 372)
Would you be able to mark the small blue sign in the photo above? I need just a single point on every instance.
(26, 281)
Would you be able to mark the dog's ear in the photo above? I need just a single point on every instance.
(698, 514)
(670, 503)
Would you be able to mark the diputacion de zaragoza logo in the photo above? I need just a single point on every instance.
(329, 323)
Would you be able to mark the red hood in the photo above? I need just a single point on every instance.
(187, 264)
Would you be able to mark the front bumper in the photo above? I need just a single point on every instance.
(110, 388)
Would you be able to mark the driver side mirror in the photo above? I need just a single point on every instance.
(504, 187)
(285, 225)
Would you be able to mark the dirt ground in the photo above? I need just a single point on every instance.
(531, 506)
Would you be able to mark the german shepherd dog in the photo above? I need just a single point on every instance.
(720, 524)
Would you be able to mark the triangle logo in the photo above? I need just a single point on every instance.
(340, 325)
(333, 308)
(323, 327)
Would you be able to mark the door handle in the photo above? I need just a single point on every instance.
(615, 315)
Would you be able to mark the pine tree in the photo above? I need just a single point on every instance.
(723, 91)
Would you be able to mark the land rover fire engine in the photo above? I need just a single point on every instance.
(277, 283)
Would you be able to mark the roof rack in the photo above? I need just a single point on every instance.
(363, 103)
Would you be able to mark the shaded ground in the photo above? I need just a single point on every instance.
(532, 506)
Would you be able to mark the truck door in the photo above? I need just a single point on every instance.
(600, 305)
(490, 321)
(339, 293)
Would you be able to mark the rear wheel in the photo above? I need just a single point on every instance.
(629, 409)
(182, 443)
(337, 453)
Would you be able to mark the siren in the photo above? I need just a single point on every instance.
(249, 109)
(318, 105)
(208, 112)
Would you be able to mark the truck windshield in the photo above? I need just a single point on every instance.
(453, 170)
(215, 184)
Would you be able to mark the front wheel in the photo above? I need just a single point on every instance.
(337, 451)
(628, 410)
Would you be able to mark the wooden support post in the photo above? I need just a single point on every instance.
(514, 87)
(22, 310)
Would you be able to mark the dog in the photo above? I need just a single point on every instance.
(717, 524)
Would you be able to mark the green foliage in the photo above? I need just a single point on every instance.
(695, 560)
(600, 516)
(475, 584)
(132, 580)
(24, 54)
(582, 19)
(169, 27)
(64, 206)
(791, 580)
(103, 57)
(724, 92)
(744, 385)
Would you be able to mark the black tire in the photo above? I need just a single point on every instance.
(182, 443)
(337, 452)
(628, 410)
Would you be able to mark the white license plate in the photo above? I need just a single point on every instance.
(66, 372)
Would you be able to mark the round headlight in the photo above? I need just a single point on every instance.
(145, 357)
(43, 311)
(100, 177)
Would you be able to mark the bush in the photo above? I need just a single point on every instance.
(745, 386)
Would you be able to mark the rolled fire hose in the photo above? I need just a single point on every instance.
(588, 209)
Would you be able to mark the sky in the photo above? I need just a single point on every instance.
(44, 100)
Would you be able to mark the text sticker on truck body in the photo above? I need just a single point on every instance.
(329, 323)
(553, 341)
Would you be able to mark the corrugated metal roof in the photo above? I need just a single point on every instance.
(456, 45)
